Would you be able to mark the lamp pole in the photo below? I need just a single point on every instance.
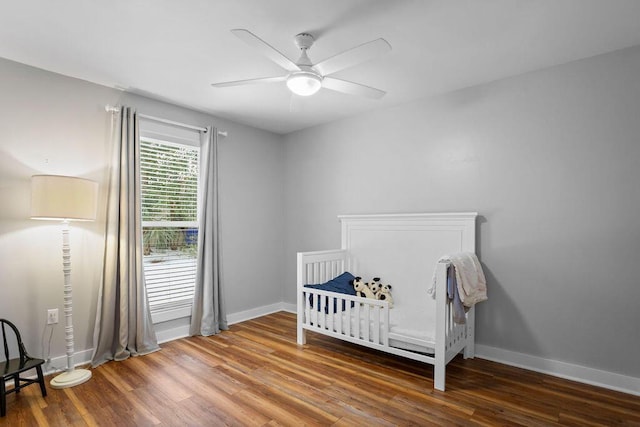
(72, 376)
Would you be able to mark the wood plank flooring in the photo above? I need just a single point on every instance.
(255, 375)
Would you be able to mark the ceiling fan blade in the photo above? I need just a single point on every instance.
(352, 57)
(250, 81)
(266, 49)
(352, 88)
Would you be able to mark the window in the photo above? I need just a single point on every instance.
(169, 176)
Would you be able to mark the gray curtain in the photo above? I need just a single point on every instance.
(208, 314)
(123, 321)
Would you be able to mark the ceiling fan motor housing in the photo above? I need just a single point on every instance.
(304, 41)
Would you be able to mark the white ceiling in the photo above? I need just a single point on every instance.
(172, 50)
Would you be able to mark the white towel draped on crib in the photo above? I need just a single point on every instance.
(471, 283)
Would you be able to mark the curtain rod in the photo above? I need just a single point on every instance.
(112, 109)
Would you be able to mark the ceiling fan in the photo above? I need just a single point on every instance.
(305, 78)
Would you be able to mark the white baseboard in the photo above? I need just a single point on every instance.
(166, 335)
(59, 364)
(241, 316)
(289, 307)
(583, 374)
(260, 311)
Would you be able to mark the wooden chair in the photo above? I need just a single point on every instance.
(11, 367)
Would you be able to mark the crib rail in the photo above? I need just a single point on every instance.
(320, 266)
(346, 317)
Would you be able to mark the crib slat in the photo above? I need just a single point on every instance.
(385, 331)
(366, 322)
(341, 303)
(332, 314)
(323, 306)
(376, 324)
(356, 323)
(448, 323)
(347, 319)
(307, 315)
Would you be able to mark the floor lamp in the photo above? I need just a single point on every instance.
(65, 199)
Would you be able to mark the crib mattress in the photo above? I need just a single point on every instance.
(411, 324)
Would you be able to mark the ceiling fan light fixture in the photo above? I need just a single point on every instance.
(304, 83)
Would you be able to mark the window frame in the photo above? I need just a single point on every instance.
(154, 132)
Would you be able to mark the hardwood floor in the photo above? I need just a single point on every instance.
(255, 375)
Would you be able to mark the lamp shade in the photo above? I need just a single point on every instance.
(63, 197)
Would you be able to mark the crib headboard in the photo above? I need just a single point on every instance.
(402, 249)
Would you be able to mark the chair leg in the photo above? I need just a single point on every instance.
(3, 399)
(16, 382)
(43, 389)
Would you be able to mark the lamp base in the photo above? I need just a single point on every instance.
(71, 378)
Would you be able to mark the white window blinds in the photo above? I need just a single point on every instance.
(169, 175)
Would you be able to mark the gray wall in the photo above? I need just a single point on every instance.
(550, 161)
(57, 125)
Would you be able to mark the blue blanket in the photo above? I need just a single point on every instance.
(341, 284)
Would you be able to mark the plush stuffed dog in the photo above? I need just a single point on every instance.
(375, 284)
(362, 290)
(384, 294)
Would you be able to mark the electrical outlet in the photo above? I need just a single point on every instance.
(52, 316)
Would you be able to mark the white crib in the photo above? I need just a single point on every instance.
(402, 249)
